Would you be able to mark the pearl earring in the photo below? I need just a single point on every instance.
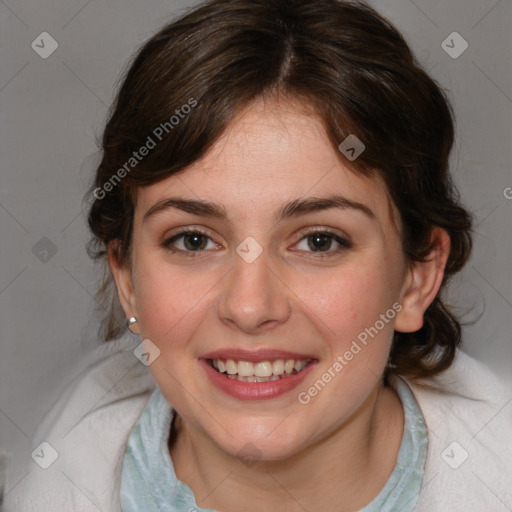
(132, 320)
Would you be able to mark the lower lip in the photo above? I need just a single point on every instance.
(254, 390)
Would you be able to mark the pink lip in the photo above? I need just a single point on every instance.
(254, 390)
(254, 356)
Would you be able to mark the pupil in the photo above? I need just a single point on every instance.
(319, 242)
(195, 242)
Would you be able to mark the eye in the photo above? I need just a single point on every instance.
(324, 242)
(189, 241)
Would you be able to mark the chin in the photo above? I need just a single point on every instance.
(267, 445)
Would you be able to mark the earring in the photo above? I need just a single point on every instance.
(132, 320)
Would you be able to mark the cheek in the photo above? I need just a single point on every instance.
(346, 306)
(349, 301)
(170, 300)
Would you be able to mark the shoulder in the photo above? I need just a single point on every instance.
(84, 435)
(468, 412)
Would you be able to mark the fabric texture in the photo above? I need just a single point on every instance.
(467, 410)
(149, 482)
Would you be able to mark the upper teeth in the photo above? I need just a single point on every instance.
(259, 369)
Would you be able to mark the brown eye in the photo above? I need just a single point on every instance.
(319, 242)
(324, 243)
(189, 242)
(195, 241)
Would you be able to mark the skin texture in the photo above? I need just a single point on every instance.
(337, 451)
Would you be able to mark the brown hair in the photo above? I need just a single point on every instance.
(344, 60)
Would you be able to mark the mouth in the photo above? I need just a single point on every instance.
(258, 375)
(258, 371)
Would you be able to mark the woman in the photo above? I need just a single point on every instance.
(276, 210)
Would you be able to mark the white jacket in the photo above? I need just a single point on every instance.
(467, 410)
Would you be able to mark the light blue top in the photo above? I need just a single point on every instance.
(149, 483)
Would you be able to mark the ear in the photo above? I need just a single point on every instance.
(422, 283)
(123, 278)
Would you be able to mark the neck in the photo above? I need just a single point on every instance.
(346, 469)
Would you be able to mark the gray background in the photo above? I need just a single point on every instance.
(53, 109)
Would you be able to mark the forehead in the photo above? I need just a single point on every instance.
(272, 152)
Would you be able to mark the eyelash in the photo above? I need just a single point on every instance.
(344, 243)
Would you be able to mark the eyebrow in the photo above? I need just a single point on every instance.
(288, 210)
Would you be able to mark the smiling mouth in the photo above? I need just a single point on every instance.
(262, 371)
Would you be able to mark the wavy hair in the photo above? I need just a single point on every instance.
(346, 61)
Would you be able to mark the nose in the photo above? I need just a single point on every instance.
(254, 299)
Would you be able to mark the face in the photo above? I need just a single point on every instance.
(266, 251)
